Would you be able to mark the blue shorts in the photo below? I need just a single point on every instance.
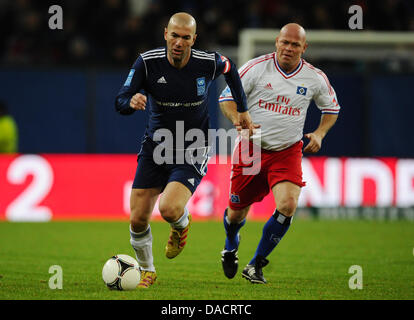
(150, 174)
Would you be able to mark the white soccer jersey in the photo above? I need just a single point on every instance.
(279, 101)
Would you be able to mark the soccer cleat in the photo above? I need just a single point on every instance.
(177, 240)
(254, 273)
(230, 262)
(147, 279)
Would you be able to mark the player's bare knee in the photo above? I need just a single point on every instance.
(138, 223)
(171, 212)
(139, 217)
(287, 206)
(236, 216)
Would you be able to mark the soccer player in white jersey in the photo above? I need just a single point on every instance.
(279, 87)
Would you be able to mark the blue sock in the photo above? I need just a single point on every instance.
(232, 230)
(273, 231)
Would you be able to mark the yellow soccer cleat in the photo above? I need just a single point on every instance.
(177, 240)
(147, 279)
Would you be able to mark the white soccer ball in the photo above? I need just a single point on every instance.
(121, 272)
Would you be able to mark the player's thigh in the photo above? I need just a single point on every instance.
(142, 202)
(149, 174)
(173, 200)
(286, 196)
(246, 190)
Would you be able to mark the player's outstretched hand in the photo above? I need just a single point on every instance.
(315, 142)
(138, 102)
(244, 121)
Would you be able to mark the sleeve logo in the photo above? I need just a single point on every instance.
(129, 79)
(201, 86)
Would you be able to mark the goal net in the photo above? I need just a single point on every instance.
(368, 46)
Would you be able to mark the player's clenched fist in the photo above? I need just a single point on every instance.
(138, 102)
(314, 144)
(244, 122)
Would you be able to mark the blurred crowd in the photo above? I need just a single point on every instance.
(113, 32)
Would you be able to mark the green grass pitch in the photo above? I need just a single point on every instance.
(311, 262)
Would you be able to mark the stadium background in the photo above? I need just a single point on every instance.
(77, 155)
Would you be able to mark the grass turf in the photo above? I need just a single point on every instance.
(311, 262)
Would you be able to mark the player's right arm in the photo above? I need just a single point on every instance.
(129, 98)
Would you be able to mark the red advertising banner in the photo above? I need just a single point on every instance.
(79, 187)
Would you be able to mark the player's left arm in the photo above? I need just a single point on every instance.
(327, 102)
(226, 67)
(316, 137)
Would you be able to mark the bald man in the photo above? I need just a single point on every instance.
(172, 82)
(279, 88)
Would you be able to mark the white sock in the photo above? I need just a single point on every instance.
(182, 222)
(142, 244)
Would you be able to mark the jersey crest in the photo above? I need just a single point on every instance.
(301, 90)
(201, 86)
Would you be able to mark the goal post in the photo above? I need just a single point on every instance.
(344, 45)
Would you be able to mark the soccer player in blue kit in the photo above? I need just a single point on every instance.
(172, 82)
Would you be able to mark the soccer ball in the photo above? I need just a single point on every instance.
(121, 272)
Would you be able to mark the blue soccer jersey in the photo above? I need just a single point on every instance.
(178, 96)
